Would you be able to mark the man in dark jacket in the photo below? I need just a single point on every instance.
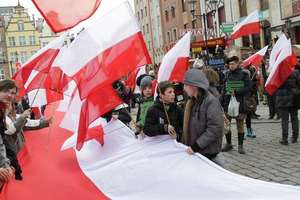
(237, 83)
(164, 116)
(286, 104)
(203, 117)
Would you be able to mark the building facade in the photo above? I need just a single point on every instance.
(142, 9)
(4, 70)
(22, 38)
(47, 35)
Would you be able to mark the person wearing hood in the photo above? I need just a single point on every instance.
(164, 117)
(203, 117)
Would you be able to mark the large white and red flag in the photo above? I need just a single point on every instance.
(283, 66)
(255, 59)
(250, 25)
(97, 57)
(65, 14)
(39, 63)
(176, 62)
(127, 168)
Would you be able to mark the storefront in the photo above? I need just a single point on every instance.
(199, 46)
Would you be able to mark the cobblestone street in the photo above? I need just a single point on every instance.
(265, 158)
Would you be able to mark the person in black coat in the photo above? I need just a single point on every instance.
(157, 122)
(286, 104)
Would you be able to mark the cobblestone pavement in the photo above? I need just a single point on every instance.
(265, 158)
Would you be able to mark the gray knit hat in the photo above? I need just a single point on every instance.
(146, 81)
(197, 78)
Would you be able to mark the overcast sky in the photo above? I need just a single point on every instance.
(106, 4)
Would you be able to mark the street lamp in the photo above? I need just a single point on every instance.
(192, 5)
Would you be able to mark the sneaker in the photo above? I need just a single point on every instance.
(284, 142)
(250, 133)
(241, 149)
(227, 148)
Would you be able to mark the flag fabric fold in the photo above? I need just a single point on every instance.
(176, 62)
(93, 61)
(250, 25)
(256, 59)
(65, 14)
(283, 67)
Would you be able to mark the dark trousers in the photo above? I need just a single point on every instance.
(272, 105)
(248, 120)
(285, 113)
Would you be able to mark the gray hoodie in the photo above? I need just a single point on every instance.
(203, 118)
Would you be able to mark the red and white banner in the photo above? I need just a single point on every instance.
(125, 168)
(38, 64)
(98, 57)
(65, 14)
(283, 67)
(176, 62)
(255, 59)
(250, 25)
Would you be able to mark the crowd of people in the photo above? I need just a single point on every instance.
(194, 112)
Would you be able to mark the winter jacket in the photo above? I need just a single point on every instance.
(14, 137)
(156, 121)
(286, 93)
(239, 82)
(142, 111)
(203, 118)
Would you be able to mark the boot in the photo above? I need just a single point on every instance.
(241, 149)
(295, 137)
(284, 140)
(228, 145)
(241, 141)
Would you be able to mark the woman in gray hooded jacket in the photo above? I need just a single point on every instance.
(203, 118)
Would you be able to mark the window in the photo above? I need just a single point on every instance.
(173, 11)
(12, 41)
(169, 37)
(167, 15)
(14, 57)
(32, 40)
(1, 56)
(20, 25)
(210, 20)
(222, 18)
(145, 11)
(2, 75)
(22, 41)
(194, 23)
(23, 56)
(142, 13)
(138, 14)
(144, 29)
(44, 44)
(185, 26)
(33, 52)
(175, 34)
(264, 4)
(243, 8)
(147, 28)
(183, 5)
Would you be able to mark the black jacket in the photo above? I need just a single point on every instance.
(231, 77)
(285, 95)
(156, 120)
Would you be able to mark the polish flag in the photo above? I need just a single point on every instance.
(277, 48)
(283, 67)
(40, 62)
(65, 14)
(96, 104)
(176, 62)
(250, 25)
(125, 168)
(255, 59)
(98, 57)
